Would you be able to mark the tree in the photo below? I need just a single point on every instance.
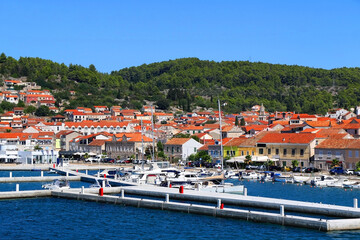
(358, 166)
(161, 155)
(42, 111)
(236, 121)
(163, 104)
(335, 162)
(160, 146)
(30, 109)
(37, 148)
(21, 104)
(196, 138)
(248, 159)
(242, 122)
(294, 163)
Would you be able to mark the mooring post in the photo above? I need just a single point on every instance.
(167, 198)
(355, 203)
(103, 183)
(17, 187)
(10, 174)
(82, 190)
(122, 193)
(282, 210)
(86, 172)
(245, 191)
(98, 174)
(67, 173)
(219, 203)
(41, 173)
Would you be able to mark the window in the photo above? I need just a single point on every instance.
(356, 154)
(269, 151)
(227, 152)
(285, 152)
(261, 151)
(302, 164)
(320, 152)
(329, 153)
(284, 163)
(178, 149)
(301, 152)
(242, 153)
(350, 153)
(194, 149)
(293, 152)
(277, 151)
(247, 152)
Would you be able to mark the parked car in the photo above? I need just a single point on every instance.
(337, 170)
(349, 172)
(274, 168)
(286, 169)
(296, 169)
(357, 173)
(108, 160)
(311, 169)
(251, 167)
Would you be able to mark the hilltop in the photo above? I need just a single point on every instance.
(189, 83)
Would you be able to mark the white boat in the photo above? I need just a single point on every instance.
(341, 183)
(352, 185)
(266, 178)
(250, 175)
(98, 185)
(323, 181)
(57, 185)
(283, 178)
(300, 179)
(230, 174)
(183, 178)
(209, 186)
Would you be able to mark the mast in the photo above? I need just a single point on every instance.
(142, 145)
(221, 140)
(153, 136)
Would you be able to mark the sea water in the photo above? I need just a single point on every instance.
(57, 218)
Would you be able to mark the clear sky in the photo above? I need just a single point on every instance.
(117, 34)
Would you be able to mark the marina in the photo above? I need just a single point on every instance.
(319, 216)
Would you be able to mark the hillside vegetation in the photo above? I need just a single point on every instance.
(190, 82)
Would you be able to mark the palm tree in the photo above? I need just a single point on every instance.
(247, 159)
(335, 162)
(37, 148)
(294, 163)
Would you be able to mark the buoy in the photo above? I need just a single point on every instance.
(345, 190)
(170, 186)
(104, 175)
(222, 206)
(54, 165)
(101, 192)
(181, 189)
(77, 170)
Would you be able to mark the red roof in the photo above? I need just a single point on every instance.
(300, 138)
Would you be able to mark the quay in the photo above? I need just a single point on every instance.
(38, 179)
(219, 211)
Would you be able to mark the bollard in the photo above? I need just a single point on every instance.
(104, 175)
(10, 174)
(167, 198)
(122, 193)
(218, 203)
(245, 191)
(67, 174)
(98, 174)
(198, 187)
(222, 206)
(355, 203)
(282, 210)
(42, 174)
(181, 189)
(101, 192)
(86, 172)
(17, 187)
(103, 183)
(82, 190)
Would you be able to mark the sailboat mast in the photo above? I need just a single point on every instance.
(221, 140)
(153, 136)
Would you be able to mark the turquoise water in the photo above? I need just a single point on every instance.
(54, 218)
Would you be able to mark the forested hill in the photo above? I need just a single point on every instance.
(190, 82)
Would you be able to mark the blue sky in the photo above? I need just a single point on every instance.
(117, 34)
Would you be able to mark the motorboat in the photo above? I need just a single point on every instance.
(352, 185)
(300, 179)
(57, 185)
(98, 185)
(209, 186)
(204, 173)
(231, 174)
(341, 183)
(284, 178)
(250, 175)
(323, 181)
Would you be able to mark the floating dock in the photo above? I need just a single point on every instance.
(38, 179)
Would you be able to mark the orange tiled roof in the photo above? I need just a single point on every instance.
(177, 141)
(288, 138)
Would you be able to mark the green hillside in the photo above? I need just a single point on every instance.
(190, 82)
